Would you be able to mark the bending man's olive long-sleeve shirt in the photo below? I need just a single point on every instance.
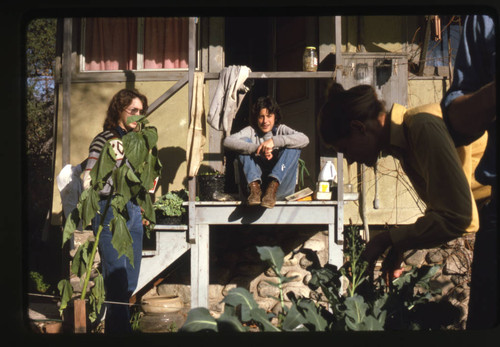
(420, 140)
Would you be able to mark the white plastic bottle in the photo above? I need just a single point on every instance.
(327, 177)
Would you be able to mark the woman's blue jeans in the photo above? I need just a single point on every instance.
(282, 167)
(120, 277)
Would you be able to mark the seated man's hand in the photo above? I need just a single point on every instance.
(265, 149)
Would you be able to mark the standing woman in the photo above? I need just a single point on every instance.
(120, 278)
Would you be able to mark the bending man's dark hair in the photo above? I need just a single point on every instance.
(271, 105)
(343, 106)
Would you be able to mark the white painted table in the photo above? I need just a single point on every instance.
(204, 214)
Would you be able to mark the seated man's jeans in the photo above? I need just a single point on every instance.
(282, 167)
(120, 278)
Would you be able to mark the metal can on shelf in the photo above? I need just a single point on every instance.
(310, 59)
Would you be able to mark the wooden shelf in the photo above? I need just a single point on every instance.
(279, 74)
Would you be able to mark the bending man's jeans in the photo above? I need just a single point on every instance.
(282, 167)
(120, 278)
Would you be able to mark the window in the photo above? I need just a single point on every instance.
(112, 44)
(443, 41)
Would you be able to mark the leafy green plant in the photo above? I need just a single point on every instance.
(241, 309)
(210, 172)
(377, 305)
(170, 204)
(355, 267)
(363, 306)
(142, 155)
(38, 282)
(303, 170)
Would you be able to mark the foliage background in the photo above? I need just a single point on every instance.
(38, 132)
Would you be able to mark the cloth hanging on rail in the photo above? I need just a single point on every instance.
(70, 187)
(197, 129)
(230, 92)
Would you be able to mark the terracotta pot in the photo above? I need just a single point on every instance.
(161, 304)
(52, 327)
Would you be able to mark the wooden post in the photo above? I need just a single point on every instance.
(66, 76)
(80, 317)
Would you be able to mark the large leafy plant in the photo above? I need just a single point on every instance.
(363, 305)
(372, 304)
(131, 181)
(241, 309)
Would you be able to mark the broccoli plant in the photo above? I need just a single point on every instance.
(363, 306)
(241, 309)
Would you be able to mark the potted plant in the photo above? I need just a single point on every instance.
(168, 208)
(209, 183)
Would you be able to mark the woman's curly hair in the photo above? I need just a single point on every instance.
(120, 101)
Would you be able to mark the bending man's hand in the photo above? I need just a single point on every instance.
(375, 248)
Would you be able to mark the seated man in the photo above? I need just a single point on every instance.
(269, 152)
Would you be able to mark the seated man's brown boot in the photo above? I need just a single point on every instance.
(255, 193)
(269, 198)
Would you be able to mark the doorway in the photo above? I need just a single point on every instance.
(276, 44)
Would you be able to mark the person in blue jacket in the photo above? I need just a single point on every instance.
(469, 109)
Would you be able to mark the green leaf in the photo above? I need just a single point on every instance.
(273, 255)
(425, 273)
(97, 296)
(66, 292)
(37, 278)
(135, 148)
(120, 182)
(260, 317)
(132, 177)
(81, 260)
(371, 323)
(294, 321)
(118, 203)
(378, 305)
(135, 118)
(328, 279)
(151, 136)
(312, 315)
(199, 319)
(144, 201)
(103, 167)
(228, 321)
(89, 205)
(121, 240)
(241, 296)
(355, 312)
(70, 225)
(149, 173)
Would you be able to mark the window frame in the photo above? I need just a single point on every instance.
(139, 74)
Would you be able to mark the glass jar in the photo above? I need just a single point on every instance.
(310, 59)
